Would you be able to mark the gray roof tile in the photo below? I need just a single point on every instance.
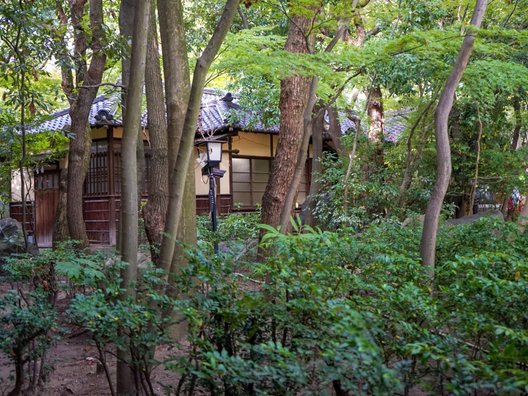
(215, 113)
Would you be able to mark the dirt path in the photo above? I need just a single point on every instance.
(74, 362)
(73, 370)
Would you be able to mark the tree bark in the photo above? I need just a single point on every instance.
(293, 100)
(158, 181)
(518, 123)
(87, 81)
(351, 158)
(127, 11)
(516, 140)
(443, 150)
(179, 172)
(60, 226)
(308, 124)
(315, 184)
(302, 155)
(129, 185)
(376, 116)
(176, 71)
(474, 182)
(334, 130)
(177, 87)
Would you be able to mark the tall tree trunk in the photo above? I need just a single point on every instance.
(351, 158)
(334, 130)
(516, 137)
(410, 159)
(308, 124)
(176, 71)
(129, 185)
(127, 12)
(60, 226)
(375, 114)
(158, 181)
(474, 182)
(293, 99)
(179, 172)
(78, 160)
(518, 123)
(87, 80)
(302, 155)
(443, 150)
(315, 184)
(177, 87)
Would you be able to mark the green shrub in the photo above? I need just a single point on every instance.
(28, 321)
(136, 325)
(357, 313)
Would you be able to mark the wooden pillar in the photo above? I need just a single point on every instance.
(230, 154)
(112, 231)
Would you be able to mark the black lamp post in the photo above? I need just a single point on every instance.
(212, 162)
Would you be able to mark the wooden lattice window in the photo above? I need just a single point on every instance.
(249, 179)
(48, 179)
(97, 177)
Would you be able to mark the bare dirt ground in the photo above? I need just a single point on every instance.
(73, 361)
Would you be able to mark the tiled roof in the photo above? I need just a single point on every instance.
(61, 120)
(394, 126)
(395, 123)
(216, 112)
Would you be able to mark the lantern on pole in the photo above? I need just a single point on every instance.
(210, 163)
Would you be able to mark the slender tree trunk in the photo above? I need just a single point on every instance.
(407, 173)
(186, 237)
(127, 11)
(60, 227)
(158, 181)
(129, 185)
(88, 80)
(334, 130)
(375, 114)
(177, 87)
(293, 100)
(518, 123)
(474, 183)
(443, 150)
(179, 171)
(516, 137)
(22, 162)
(176, 70)
(315, 184)
(351, 158)
(302, 155)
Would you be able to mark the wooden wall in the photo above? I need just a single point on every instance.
(223, 204)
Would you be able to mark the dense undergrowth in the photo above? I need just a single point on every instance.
(341, 313)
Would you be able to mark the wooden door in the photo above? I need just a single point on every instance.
(46, 202)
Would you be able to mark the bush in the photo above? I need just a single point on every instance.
(358, 314)
(237, 233)
(28, 322)
(136, 325)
